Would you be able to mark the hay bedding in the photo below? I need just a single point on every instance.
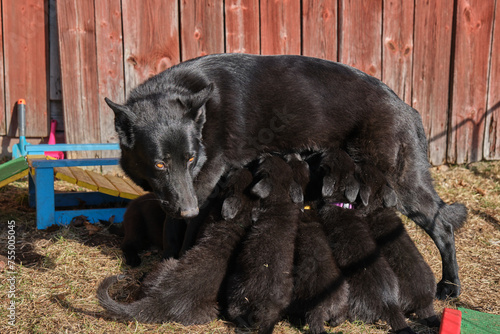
(57, 271)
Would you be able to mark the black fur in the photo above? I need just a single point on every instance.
(186, 290)
(260, 285)
(373, 285)
(225, 110)
(142, 227)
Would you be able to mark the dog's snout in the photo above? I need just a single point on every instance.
(190, 213)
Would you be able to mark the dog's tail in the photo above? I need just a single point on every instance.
(455, 214)
(137, 310)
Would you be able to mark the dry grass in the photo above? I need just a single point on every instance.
(58, 271)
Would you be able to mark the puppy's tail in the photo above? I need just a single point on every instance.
(132, 311)
(455, 214)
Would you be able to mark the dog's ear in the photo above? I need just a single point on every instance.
(296, 193)
(124, 118)
(389, 196)
(328, 186)
(262, 189)
(230, 207)
(195, 103)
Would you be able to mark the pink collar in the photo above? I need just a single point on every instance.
(343, 205)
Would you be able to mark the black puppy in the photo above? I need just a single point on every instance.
(374, 288)
(142, 227)
(181, 130)
(186, 290)
(320, 291)
(417, 285)
(260, 285)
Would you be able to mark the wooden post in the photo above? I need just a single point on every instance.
(397, 50)
(431, 72)
(492, 123)
(202, 28)
(360, 30)
(150, 38)
(79, 73)
(319, 28)
(242, 26)
(280, 27)
(26, 67)
(470, 73)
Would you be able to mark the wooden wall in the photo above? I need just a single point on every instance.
(441, 57)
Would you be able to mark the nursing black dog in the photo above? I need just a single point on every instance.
(185, 127)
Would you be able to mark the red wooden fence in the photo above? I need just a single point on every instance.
(441, 57)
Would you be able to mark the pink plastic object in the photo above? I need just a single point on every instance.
(52, 141)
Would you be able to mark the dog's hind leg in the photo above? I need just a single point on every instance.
(419, 201)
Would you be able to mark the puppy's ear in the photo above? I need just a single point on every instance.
(230, 207)
(328, 186)
(124, 118)
(296, 193)
(365, 193)
(262, 189)
(352, 188)
(390, 197)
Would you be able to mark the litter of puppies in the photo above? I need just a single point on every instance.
(313, 238)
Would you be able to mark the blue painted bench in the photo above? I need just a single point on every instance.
(48, 203)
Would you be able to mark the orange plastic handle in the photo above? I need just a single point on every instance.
(21, 101)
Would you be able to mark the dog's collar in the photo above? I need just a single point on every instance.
(342, 205)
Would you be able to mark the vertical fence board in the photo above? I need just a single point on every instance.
(150, 38)
(3, 114)
(26, 67)
(431, 72)
(361, 28)
(79, 72)
(280, 27)
(472, 50)
(242, 26)
(319, 28)
(397, 50)
(202, 28)
(111, 81)
(492, 125)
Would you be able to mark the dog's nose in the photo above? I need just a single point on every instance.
(190, 213)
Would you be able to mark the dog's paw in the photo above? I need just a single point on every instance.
(446, 289)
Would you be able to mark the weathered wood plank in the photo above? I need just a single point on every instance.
(103, 184)
(470, 79)
(25, 58)
(111, 80)
(319, 28)
(431, 72)
(202, 28)
(134, 186)
(83, 179)
(79, 73)
(397, 50)
(150, 38)
(242, 26)
(65, 174)
(492, 123)
(3, 113)
(126, 191)
(280, 27)
(361, 28)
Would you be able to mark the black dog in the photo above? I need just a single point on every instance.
(373, 285)
(182, 129)
(260, 286)
(142, 227)
(187, 290)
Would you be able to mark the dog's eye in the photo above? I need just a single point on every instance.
(160, 165)
(191, 159)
